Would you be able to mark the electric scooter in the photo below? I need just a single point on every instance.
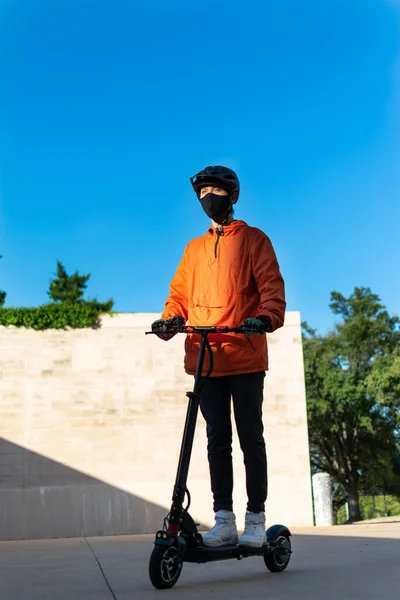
(180, 541)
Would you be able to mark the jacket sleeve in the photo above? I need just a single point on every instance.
(177, 301)
(270, 283)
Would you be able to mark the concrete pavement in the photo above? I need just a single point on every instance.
(357, 562)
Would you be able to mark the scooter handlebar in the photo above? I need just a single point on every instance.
(202, 330)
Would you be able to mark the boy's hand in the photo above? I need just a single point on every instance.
(257, 325)
(162, 326)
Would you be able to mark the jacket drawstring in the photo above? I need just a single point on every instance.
(219, 231)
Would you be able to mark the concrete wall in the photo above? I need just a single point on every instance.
(91, 424)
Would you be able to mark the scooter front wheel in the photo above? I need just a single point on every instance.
(277, 559)
(165, 566)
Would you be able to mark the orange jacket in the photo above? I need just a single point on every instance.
(224, 278)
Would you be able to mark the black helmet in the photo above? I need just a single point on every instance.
(226, 178)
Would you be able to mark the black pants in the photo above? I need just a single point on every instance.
(246, 392)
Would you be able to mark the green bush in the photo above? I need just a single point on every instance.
(379, 506)
(373, 507)
(56, 316)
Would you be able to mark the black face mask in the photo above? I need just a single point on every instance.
(216, 207)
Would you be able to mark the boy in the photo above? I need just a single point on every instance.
(229, 277)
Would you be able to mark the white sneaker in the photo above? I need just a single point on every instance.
(224, 531)
(254, 534)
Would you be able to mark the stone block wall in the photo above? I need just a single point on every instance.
(91, 425)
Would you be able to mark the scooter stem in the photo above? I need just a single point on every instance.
(187, 443)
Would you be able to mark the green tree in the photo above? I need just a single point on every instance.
(396, 464)
(3, 295)
(352, 399)
(69, 289)
(383, 382)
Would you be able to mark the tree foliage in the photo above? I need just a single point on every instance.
(68, 289)
(68, 309)
(3, 295)
(353, 394)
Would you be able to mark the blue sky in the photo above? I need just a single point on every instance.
(107, 108)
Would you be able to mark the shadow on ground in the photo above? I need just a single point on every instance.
(42, 498)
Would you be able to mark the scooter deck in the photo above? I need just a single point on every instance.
(203, 554)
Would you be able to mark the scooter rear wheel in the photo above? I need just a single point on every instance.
(277, 559)
(165, 566)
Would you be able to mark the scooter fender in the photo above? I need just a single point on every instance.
(275, 531)
(164, 538)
